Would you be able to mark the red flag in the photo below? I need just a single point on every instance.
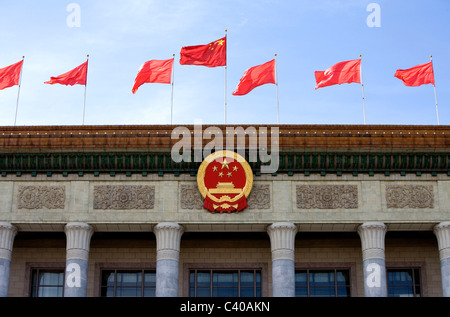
(10, 75)
(417, 75)
(154, 71)
(256, 76)
(340, 73)
(76, 76)
(210, 55)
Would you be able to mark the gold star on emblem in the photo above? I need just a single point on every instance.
(220, 174)
(235, 169)
(229, 174)
(214, 168)
(225, 164)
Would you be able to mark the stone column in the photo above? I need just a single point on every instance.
(7, 235)
(78, 236)
(442, 232)
(282, 241)
(372, 239)
(168, 238)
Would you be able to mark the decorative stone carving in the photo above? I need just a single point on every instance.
(259, 197)
(327, 196)
(168, 237)
(41, 197)
(282, 240)
(190, 197)
(409, 196)
(7, 234)
(78, 236)
(120, 197)
(442, 232)
(372, 236)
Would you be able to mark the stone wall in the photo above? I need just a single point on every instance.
(416, 202)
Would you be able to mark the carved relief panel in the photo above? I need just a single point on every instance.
(409, 196)
(327, 196)
(41, 197)
(124, 197)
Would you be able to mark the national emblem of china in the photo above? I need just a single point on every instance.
(225, 180)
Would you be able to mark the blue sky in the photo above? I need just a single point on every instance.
(306, 36)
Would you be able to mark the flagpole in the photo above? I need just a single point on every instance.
(85, 87)
(435, 96)
(171, 98)
(225, 94)
(18, 91)
(276, 84)
(362, 86)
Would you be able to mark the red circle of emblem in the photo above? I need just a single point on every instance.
(225, 180)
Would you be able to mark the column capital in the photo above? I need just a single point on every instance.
(168, 237)
(442, 232)
(78, 236)
(7, 235)
(372, 239)
(282, 240)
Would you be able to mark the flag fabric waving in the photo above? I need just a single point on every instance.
(256, 76)
(154, 71)
(417, 75)
(10, 75)
(76, 76)
(340, 73)
(210, 55)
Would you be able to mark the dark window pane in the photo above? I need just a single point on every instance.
(127, 279)
(107, 292)
(321, 278)
(258, 279)
(301, 292)
(322, 283)
(342, 278)
(203, 279)
(400, 277)
(403, 282)
(322, 292)
(50, 291)
(225, 283)
(225, 279)
(247, 279)
(149, 292)
(108, 278)
(47, 283)
(128, 283)
(50, 278)
(401, 291)
(203, 292)
(343, 291)
(150, 280)
(416, 276)
(225, 292)
(301, 279)
(128, 292)
(247, 292)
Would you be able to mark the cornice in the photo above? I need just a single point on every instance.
(158, 137)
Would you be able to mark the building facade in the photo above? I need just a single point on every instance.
(350, 211)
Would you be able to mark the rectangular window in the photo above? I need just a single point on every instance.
(322, 283)
(225, 283)
(128, 283)
(47, 283)
(404, 282)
